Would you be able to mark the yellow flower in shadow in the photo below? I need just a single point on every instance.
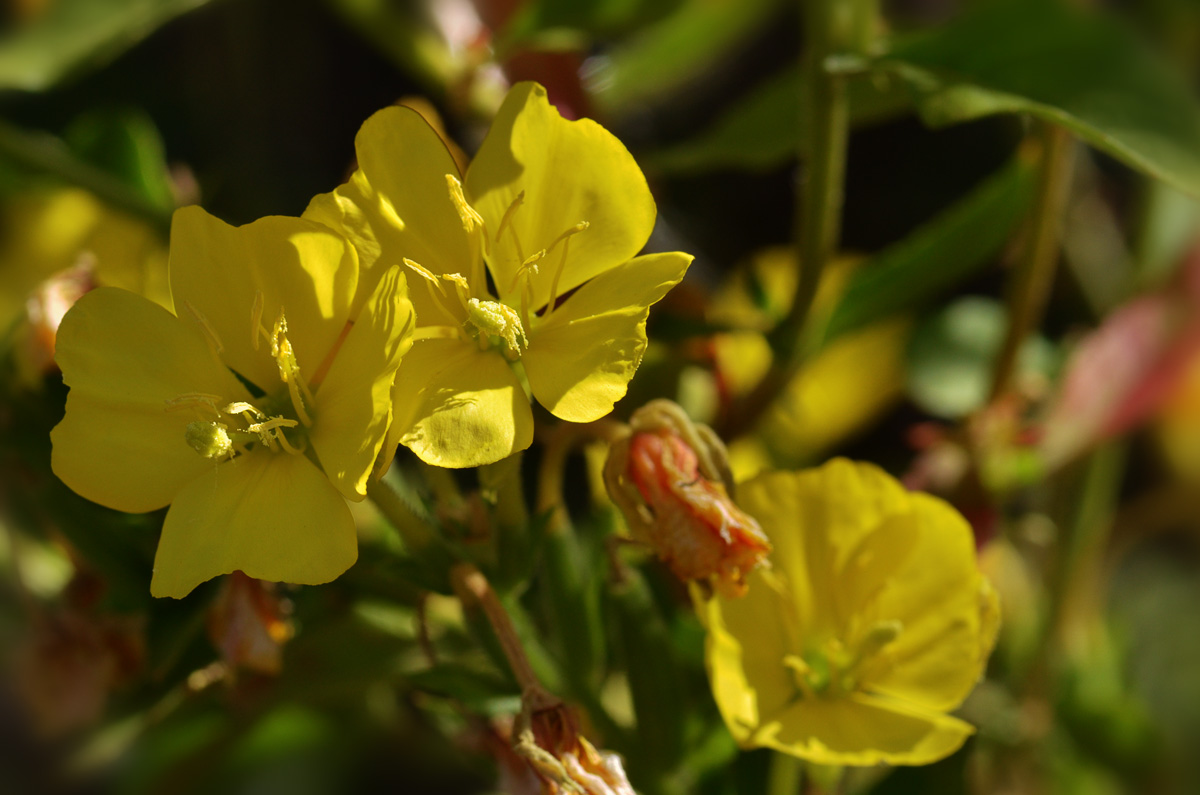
(253, 411)
(871, 624)
(555, 212)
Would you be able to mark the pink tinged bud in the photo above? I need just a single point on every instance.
(249, 625)
(668, 479)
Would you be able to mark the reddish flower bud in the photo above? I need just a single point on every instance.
(670, 479)
(249, 624)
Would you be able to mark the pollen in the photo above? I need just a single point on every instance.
(494, 319)
(210, 439)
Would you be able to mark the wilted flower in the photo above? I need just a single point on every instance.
(561, 760)
(213, 410)
(670, 480)
(556, 212)
(871, 624)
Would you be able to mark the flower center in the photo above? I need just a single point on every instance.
(832, 670)
(494, 324)
(279, 422)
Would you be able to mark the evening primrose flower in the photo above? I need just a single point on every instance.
(872, 622)
(252, 411)
(555, 211)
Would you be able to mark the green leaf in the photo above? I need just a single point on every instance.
(953, 353)
(1071, 67)
(74, 35)
(929, 262)
(588, 17)
(674, 51)
(127, 145)
(767, 129)
(42, 153)
(483, 692)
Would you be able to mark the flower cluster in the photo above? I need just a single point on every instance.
(301, 351)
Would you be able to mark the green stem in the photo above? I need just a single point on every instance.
(1031, 282)
(48, 155)
(417, 535)
(1080, 557)
(829, 26)
(786, 774)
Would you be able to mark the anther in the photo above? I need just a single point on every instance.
(436, 289)
(471, 220)
(241, 407)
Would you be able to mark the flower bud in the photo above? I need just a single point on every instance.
(670, 479)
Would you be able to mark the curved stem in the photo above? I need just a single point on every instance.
(819, 189)
(470, 584)
(1032, 281)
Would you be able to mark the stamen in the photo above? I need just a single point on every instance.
(256, 311)
(243, 408)
(269, 431)
(437, 333)
(289, 369)
(506, 223)
(471, 220)
(209, 331)
(801, 673)
(461, 287)
(193, 400)
(436, 289)
(565, 239)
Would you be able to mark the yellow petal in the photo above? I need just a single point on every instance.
(301, 268)
(354, 402)
(862, 730)
(457, 406)
(581, 359)
(746, 643)
(570, 171)
(397, 205)
(273, 516)
(839, 392)
(816, 519)
(942, 603)
(124, 358)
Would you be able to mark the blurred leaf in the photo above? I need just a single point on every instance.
(766, 128)
(74, 35)
(482, 692)
(43, 153)
(1074, 68)
(952, 356)
(915, 271)
(678, 49)
(589, 17)
(125, 144)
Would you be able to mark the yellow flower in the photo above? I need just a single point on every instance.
(46, 232)
(872, 622)
(252, 411)
(558, 210)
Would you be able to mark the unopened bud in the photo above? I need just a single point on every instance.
(670, 479)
